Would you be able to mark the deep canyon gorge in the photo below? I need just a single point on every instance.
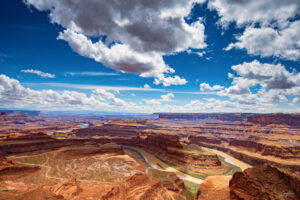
(165, 156)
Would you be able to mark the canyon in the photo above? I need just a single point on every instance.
(174, 156)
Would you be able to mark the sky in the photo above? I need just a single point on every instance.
(143, 56)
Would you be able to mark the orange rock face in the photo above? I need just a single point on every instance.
(68, 189)
(264, 182)
(215, 188)
(138, 187)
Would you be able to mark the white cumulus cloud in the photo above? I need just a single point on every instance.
(273, 82)
(164, 98)
(266, 12)
(133, 36)
(39, 73)
(14, 95)
(267, 41)
(167, 97)
(147, 86)
(167, 81)
(207, 87)
(272, 27)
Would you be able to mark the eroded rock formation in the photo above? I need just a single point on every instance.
(138, 187)
(215, 188)
(265, 182)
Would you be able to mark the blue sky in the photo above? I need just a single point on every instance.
(164, 57)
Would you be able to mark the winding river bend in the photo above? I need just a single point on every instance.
(160, 165)
(230, 159)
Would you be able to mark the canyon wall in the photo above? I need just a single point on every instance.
(278, 118)
(215, 116)
(263, 119)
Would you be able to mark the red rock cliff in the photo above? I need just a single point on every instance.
(264, 182)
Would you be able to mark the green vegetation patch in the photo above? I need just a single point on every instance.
(160, 166)
(191, 189)
(232, 168)
(135, 151)
(184, 170)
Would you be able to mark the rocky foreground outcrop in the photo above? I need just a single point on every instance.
(137, 187)
(215, 188)
(265, 182)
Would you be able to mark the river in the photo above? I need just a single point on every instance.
(160, 165)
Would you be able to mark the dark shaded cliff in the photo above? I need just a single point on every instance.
(214, 116)
(278, 118)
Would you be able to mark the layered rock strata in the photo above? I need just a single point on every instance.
(265, 182)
